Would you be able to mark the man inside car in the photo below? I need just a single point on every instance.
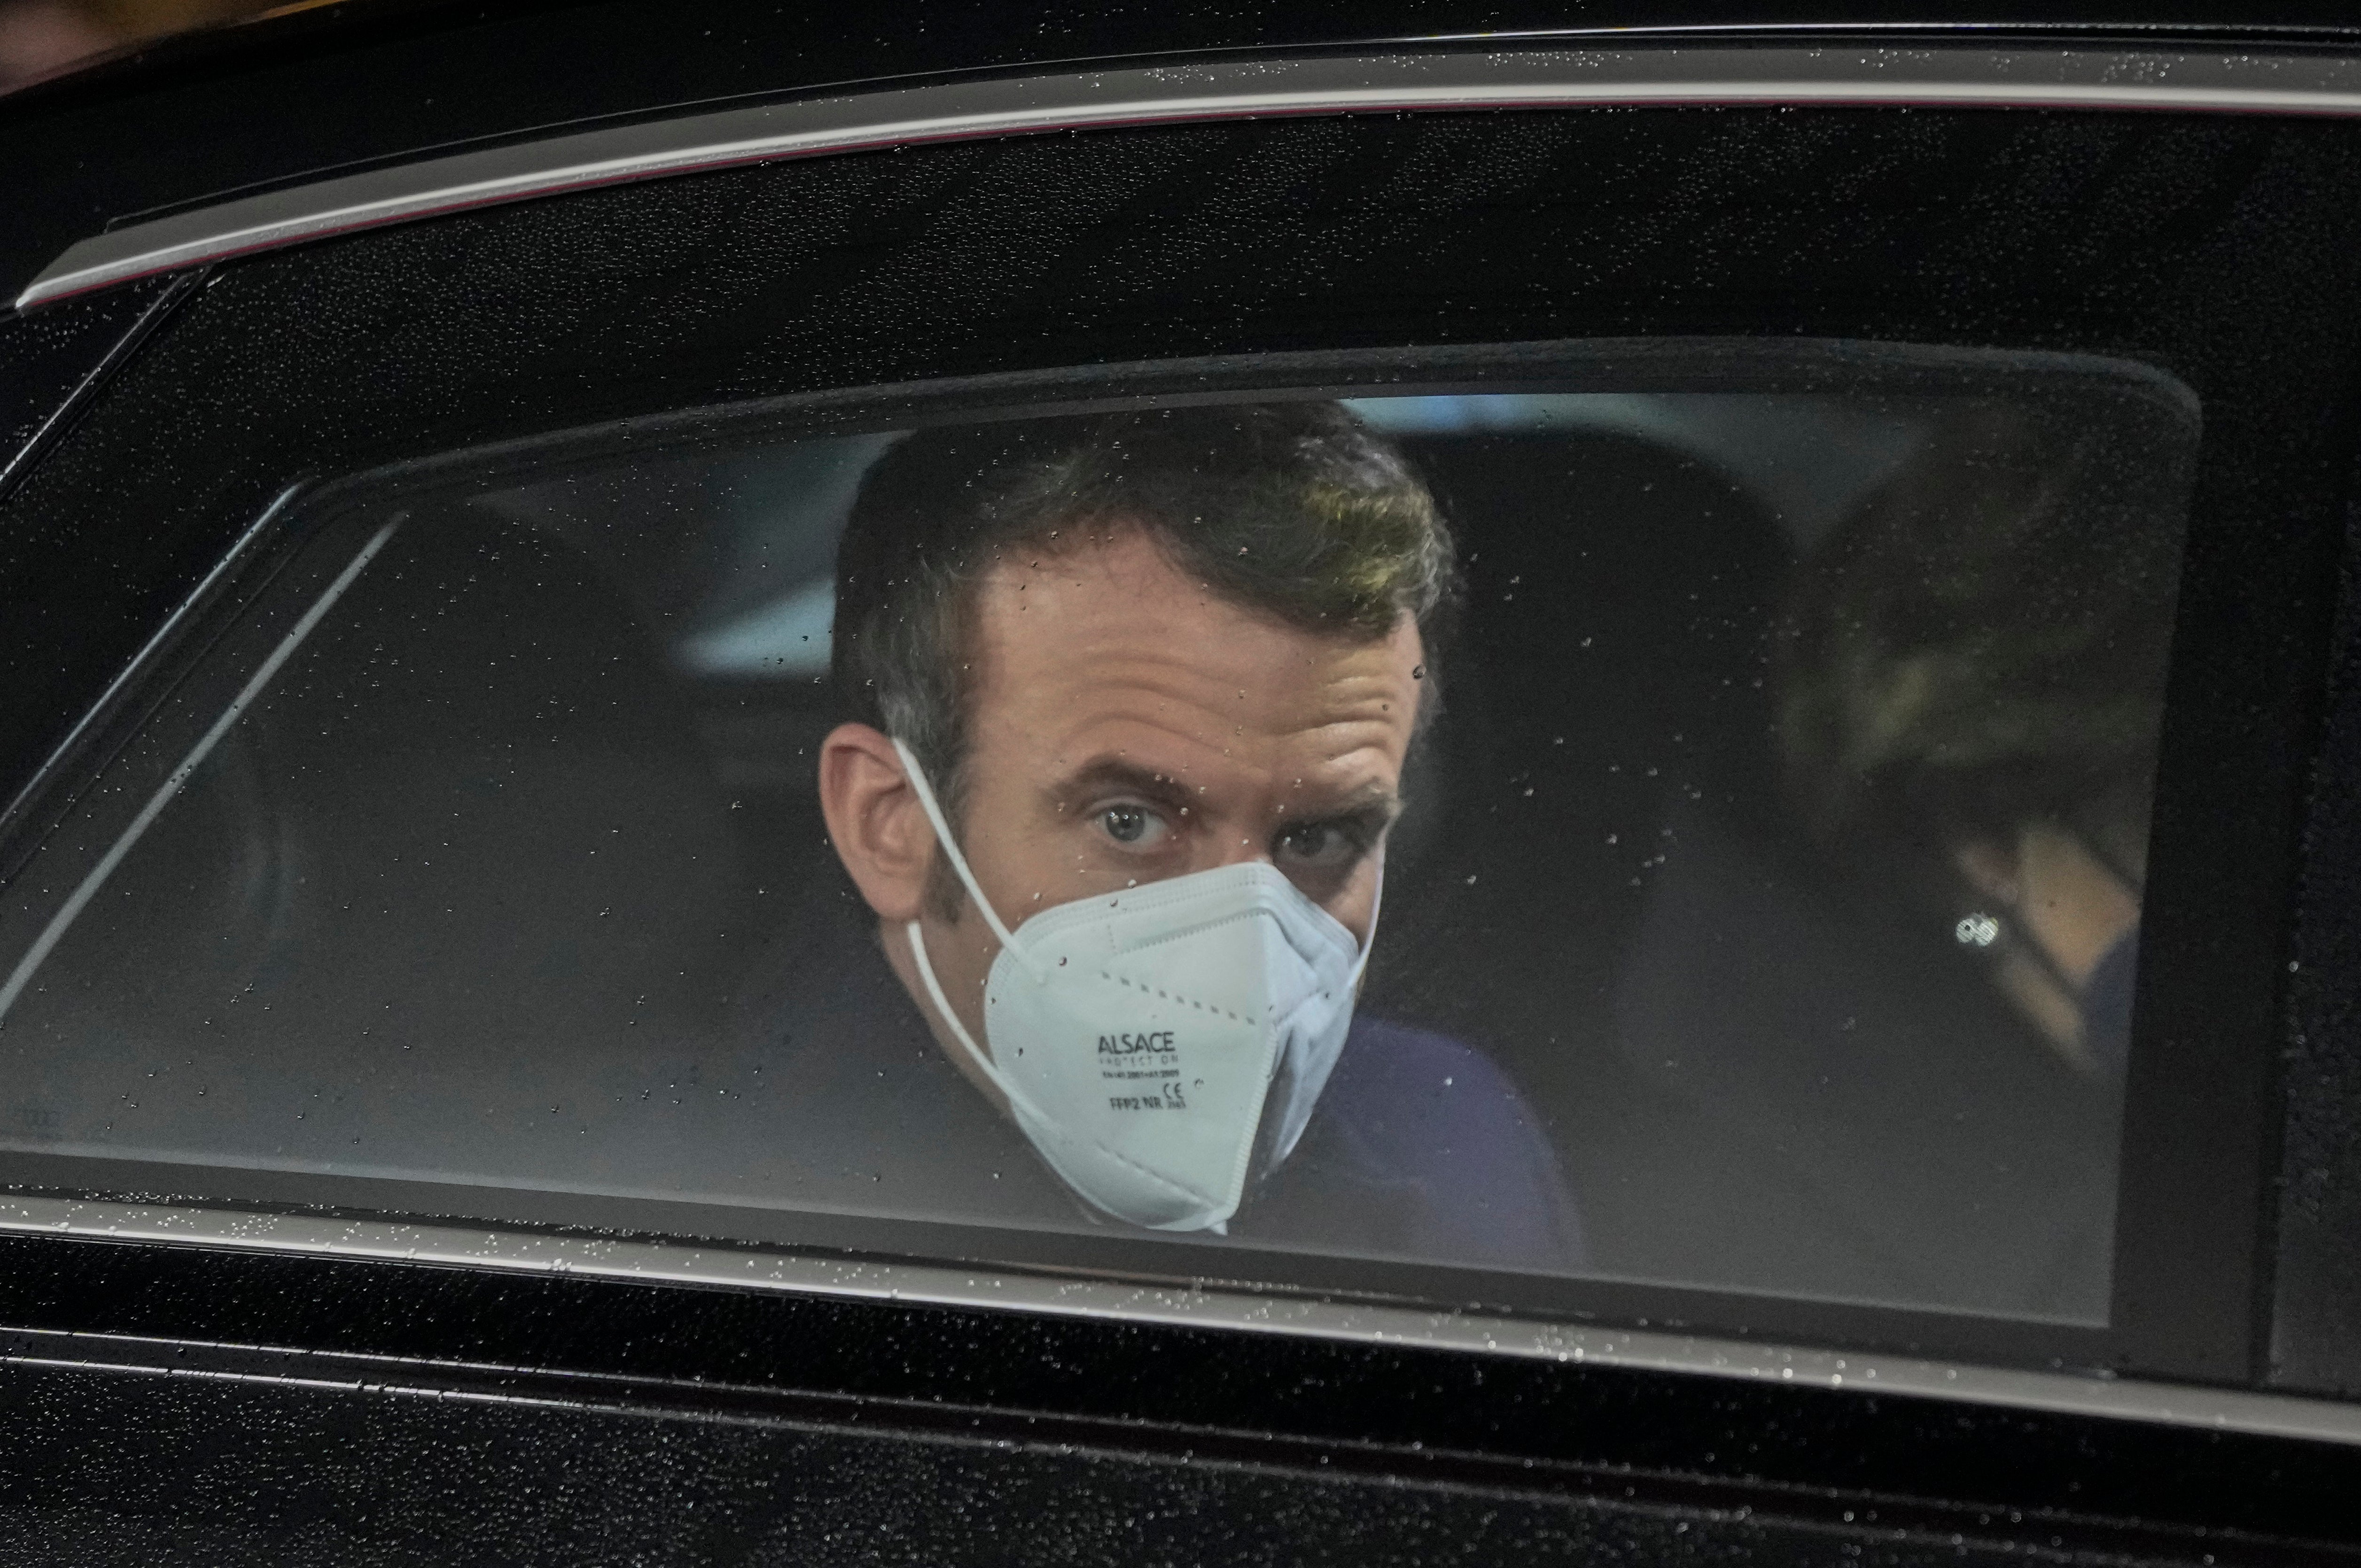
(1131, 696)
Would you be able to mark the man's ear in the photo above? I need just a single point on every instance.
(875, 820)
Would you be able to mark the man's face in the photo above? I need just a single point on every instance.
(1128, 725)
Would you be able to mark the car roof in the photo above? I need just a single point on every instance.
(330, 89)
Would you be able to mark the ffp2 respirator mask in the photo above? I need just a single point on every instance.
(1153, 1044)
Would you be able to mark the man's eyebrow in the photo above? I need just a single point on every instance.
(1106, 774)
(1373, 802)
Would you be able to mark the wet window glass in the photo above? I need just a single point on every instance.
(1686, 831)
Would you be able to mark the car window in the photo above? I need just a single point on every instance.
(1849, 1066)
(1687, 827)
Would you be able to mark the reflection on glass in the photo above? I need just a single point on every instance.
(1692, 836)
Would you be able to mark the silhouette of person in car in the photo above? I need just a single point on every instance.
(1972, 686)
(1130, 697)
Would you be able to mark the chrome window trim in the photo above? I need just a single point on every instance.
(754, 1268)
(1402, 80)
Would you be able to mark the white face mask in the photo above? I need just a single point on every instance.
(1144, 1037)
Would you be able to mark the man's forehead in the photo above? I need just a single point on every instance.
(1105, 653)
(1113, 591)
(1169, 776)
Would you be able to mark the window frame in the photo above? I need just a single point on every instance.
(1317, 1295)
(2200, 1304)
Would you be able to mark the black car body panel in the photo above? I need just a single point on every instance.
(201, 1402)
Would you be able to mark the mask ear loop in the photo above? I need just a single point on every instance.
(959, 863)
(958, 1030)
(1376, 907)
(918, 937)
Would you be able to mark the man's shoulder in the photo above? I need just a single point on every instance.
(1398, 1075)
(1422, 1148)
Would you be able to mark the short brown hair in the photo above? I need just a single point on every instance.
(1292, 509)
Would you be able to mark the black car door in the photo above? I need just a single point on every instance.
(1849, 1062)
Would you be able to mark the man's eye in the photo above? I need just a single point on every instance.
(1131, 823)
(1318, 843)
